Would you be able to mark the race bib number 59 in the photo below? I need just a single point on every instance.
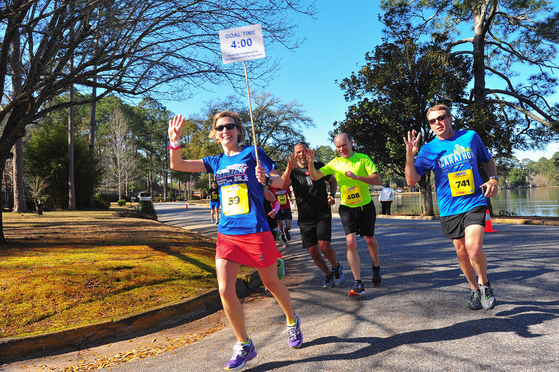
(235, 199)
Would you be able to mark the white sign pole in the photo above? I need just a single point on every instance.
(243, 44)
(251, 119)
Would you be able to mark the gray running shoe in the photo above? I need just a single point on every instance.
(328, 281)
(487, 297)
(474, 302)
(339, 277)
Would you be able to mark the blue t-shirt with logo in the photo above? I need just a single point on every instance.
(242, 196)
(457, 178)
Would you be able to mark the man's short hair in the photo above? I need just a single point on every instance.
(438, 108)
(301, 143)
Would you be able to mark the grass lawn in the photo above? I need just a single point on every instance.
(66, 268)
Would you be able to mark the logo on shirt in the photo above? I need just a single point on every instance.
(460, 155)
(236, 171)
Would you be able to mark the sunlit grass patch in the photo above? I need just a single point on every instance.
(90, 267)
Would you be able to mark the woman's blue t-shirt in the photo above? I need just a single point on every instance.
(241, 195)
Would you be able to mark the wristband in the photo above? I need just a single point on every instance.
(269, 180)
(174, 145)
(276, 207)
(333, 195)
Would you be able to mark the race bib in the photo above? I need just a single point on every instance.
(462, 182)
(282, 199)
(352, 195)
(235, 199)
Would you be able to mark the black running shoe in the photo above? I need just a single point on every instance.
(377, 279)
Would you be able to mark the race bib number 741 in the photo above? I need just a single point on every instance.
(462, 182)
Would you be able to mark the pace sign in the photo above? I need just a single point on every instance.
(242, 44)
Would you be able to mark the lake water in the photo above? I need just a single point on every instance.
(538, 201)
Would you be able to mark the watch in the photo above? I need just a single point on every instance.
(494, 177)
(269, 180)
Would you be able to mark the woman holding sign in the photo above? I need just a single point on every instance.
(243, 237)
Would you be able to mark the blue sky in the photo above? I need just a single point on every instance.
(335, 47)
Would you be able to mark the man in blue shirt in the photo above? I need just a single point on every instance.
(461, 193)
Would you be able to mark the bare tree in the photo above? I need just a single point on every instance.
(120, 154)
(37, 186)
(168, 48)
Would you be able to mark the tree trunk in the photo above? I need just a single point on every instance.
(427, 194)
(3, 241)
(92, 128)
(71, 186)
(17, 162)
(479, 54)
(164, 185)
(17, 177)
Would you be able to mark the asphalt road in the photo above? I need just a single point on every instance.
(416, 321)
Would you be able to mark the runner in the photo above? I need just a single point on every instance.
(284, 198)
(243, 237)
(271, 208)
(354, 173)
(314, 213)
(213, 194)
(461, 193)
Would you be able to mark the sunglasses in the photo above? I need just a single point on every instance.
(229, 126)
(440, 118)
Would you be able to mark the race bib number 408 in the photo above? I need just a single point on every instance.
(352, 195)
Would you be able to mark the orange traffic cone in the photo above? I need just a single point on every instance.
(488, 226)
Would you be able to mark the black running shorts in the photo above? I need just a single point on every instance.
(313, 232)
(359, 220)
(454, 227)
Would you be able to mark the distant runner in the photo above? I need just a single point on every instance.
(213, 194)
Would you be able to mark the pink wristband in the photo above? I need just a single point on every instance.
(174, 145)
(276, 207)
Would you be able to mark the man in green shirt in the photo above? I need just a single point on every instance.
(354, 173)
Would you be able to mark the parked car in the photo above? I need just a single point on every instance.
(145, 196)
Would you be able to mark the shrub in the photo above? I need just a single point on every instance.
(144, 209)
(122, 202)
(100, 202)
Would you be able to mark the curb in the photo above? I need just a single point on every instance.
(526, 221)
(83, 337)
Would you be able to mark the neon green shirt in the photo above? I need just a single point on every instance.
(354, 193)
